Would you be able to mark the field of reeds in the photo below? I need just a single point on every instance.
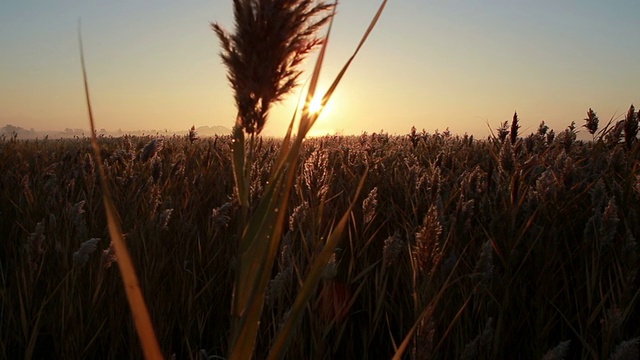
(506, 247)
(424, 246)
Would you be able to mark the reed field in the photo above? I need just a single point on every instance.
(521, 246)
(375, 246)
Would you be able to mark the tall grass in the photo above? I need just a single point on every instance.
(450, 247)
(271, 39)
(537, 255)
(139, 311)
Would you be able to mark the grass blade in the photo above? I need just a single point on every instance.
(139, 311)
(309, 119)
(260, 238)
(313, 278)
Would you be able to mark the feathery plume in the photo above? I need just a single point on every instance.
(36, 238)
(627, 350)
(559, 352)
(298, 216)
(613, 136)
(393, 246)
(631, 128)
(81, 256)
(507, 162)
(542, 129)
(423, 340)
(192, 136)
(163, 219)
(331, 269)
(609, 223)
(220, 215)
(272, 38)
(369, 205)
(591, 122)
(426, 251)
(503, 131)
(151, 149)
(109, 255)
(481, 344)
(278, 285)
(484, 266)
(515, 126)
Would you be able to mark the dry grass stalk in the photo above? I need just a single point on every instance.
(271, 40)
(141, 316)
(537, 256)
(540, 257)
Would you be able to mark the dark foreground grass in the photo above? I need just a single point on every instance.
(530, 244)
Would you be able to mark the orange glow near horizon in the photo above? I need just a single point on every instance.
(325, 123)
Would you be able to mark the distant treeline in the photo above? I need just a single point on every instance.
(22, 133)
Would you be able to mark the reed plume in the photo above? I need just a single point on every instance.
(272, 38)
(631, 128)
(591, 122)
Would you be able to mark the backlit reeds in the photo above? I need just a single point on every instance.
(552, 258)
(514, 246)
(263, 56)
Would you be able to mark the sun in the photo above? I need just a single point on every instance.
(316, 105)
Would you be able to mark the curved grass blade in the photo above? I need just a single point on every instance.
(261, 236)
(139, 311)
(238, 155)
(309, 119)
(313, 279)
(258, 248)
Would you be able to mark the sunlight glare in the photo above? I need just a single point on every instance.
(315, 105)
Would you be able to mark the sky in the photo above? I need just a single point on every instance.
(462, 65)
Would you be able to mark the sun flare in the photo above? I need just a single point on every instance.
(315, 105)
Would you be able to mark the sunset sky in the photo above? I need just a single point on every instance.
(431, 64)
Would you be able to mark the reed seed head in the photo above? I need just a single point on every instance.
(484, 266)
(426, 251)
(36, 238)
(631, 127)
(151, 149)
(559, 352)
(627, 350)
(271, 40)
(220, 215)
(278, 286)
(393, 246)
(298, 216)
(591, 122)
(109, 255)
(480, 346)
(369, 205)
(515, 126)
(192, 136)
(163, 219)
(81, 256)
(330, 270)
